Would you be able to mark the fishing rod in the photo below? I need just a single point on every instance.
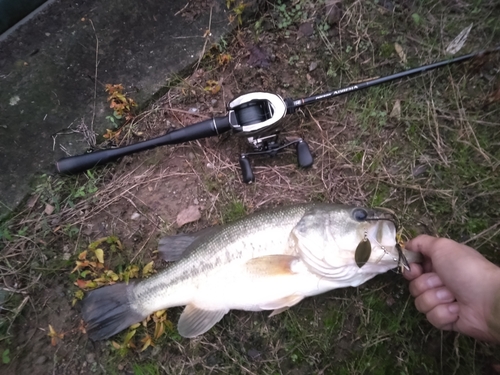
(253, 115)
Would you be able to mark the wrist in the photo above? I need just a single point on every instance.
(493, 320)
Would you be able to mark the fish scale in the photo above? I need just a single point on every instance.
(239, 245)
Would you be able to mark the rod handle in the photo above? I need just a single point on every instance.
(81, 163)
(203, 129)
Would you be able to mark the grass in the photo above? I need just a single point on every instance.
(435, 163)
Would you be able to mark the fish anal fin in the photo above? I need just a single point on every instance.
(282, 304)
(195, 321)
(274, 265)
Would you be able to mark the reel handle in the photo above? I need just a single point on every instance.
(304, 156)
(246, 170)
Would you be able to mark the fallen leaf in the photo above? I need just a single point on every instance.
(116, 345)
(49, 209)
(190, 214)
(457, 43)
(396, 110)
(400, 52)
(148, 269)
(159, 330)
(306, 29)
(54, 335)
(224, 59)
(213, 86)
(113, 88)
(32, 201)
(99, 254)
(147, 342)
(333, 11)
(419, 169)
(258, 57)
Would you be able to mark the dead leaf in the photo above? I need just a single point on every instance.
(148, 269)
(213, 86)
(396, 110)
(400, 52)
(49, 209)
(457, 43)
(333, 11)
(258, 57)
(224, 58)
(147, 341)
(306, 29)
(99, 254)
(190, 214)
(116, 345)
(54, 335)
(32, 201)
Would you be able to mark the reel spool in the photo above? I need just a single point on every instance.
(255, 113)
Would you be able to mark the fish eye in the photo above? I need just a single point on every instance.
(359, 214)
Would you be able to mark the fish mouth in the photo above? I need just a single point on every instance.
(381, 215)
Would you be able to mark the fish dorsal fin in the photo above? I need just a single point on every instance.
(173, 248)
(195, 321)
(275, 265)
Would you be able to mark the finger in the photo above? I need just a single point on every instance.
(443, 316)
(414, 271)
(423, 244)
(432, 298)
(425, 282)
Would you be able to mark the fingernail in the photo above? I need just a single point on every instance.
(444, 295)
(453, 308)
(434, 281)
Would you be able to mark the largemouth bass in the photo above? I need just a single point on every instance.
(269, 260)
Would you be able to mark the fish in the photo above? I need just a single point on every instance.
(269, 260)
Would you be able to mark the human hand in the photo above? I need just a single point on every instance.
(456, 287)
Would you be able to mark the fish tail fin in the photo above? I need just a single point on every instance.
(108, 311)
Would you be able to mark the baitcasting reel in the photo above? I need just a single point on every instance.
(255, 115)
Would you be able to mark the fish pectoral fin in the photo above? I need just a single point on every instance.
(274, 265)
(195, 321)
(278, 311)
(173, 248)
(282, 304)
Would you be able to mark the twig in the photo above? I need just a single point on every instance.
(184, 7)
(95, 75)
(208, 33)
(482, 233)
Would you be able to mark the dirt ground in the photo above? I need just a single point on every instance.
(366, 153)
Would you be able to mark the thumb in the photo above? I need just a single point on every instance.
(427, 245)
